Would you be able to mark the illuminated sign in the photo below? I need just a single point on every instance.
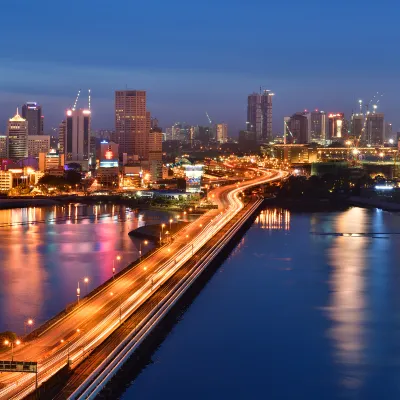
(109, 164)
(18, 366)
(109, 155)
(193, 174)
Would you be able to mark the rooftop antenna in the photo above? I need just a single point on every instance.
(89, 99)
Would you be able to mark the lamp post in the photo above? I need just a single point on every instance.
(113, 267)
(120, 308)
(140, 248)
(11, 342)
(161, 233)
(170, 222)
(29, 322)
(78, 292)
(86, 280)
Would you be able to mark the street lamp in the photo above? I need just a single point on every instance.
(78, 292)
(8, 343)
(86, 280)
(161, 233)
(113, 267)
(120, 307)
(170, 222)
(29, 322)
(140, 248)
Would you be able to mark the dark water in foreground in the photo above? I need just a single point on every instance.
(291, 315)
(41, 263)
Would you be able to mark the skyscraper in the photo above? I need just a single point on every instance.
(17, 131)
(357, 125)
(132, 123)
(61, 136)
(318, 126)
(77, 136)
(375, 128)
(297, 128)
(336, 126)
(259, 115)
(222, 133)
(155, 154)
(32, 112)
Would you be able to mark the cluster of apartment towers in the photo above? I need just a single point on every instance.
(368, 127)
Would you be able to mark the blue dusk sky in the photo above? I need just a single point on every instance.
(195, 56)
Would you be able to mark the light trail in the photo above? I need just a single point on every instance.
(97, 317)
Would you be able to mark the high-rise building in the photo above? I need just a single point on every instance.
(61, 136)
(17, 132)
(388, 131)
(38, 144)
(317, 126)
(155, 155)
(297, 128)
(375, 128)
(259, 115)
(248, 141)
(77, 136)
(3, 146)
(357, 125)
(32, 112)
(222, 133)
(132, 123)
(336, 126)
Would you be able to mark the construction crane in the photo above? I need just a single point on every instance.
(209, 119)
(76, 100)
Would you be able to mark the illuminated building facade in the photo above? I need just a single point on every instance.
(32, 112)
(3, 146)
(222, 133)
(193, 175)
(17, 132)
(53, 160)
(38, 144)
(132, 123)
(77, 136)
(336, 126)
(6, 181)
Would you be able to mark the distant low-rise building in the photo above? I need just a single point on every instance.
(6, 181)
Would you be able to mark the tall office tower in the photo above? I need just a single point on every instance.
(17, 132)
(3, 146)
(132, 122)
(222, 133)
(388, 131)
(153, 123)
(61, 136)
(77, 136)
(32, 112)
(38, 144)
(259, 115)
(155, 155)
(336, 126)
(317, 126)
(297, 128)
(375, 128)
(357, 125)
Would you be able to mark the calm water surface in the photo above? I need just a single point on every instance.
(294, 313)
(44, 252)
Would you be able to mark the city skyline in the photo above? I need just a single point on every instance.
(174, 67)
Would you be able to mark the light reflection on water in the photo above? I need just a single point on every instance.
(291, 315)
(45, 251)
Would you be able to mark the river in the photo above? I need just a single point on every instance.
(300, 310)
(44, 252)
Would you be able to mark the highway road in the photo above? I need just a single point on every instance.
(96, 318)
